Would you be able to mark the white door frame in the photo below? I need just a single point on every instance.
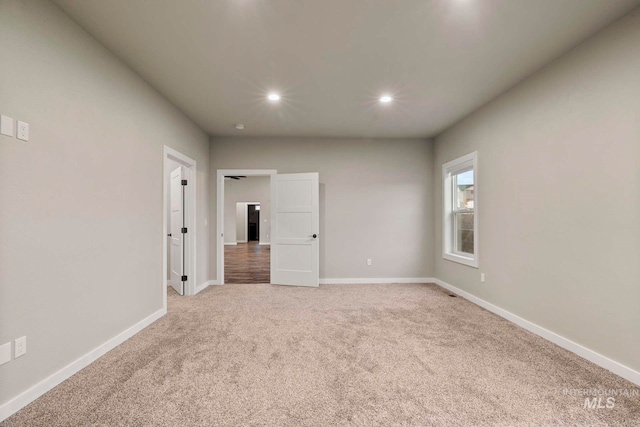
(190, 219)
(221, 173)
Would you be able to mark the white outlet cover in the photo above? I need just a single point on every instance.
(6, 126)
(20, 347)
(5, 353)
(23, 131)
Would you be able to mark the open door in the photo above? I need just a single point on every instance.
(176, 249)
(295, 253)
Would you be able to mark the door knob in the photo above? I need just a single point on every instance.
(314, 236)
(169, 235)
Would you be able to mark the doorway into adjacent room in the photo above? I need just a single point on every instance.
(179, 223)
(246, 239)
(253, 222)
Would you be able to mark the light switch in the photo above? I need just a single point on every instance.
(5, 353)
(23, 131)
(6, 126)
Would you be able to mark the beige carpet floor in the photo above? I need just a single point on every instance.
(341, 355)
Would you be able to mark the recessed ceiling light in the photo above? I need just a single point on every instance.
(240, 126)
(385, 99)
(273, 97)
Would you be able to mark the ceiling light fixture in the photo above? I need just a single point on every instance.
(273, 97)
(240, 126)
(385, 99)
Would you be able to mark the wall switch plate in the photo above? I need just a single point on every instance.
(368, 261)
(20, 347)
(5, 353)
(482, 277)
(23, 131)
(6, 126)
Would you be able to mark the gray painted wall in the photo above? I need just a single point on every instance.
(81, 216)
(559, 169)
(250, 189)
(375, 198)
(240, 222)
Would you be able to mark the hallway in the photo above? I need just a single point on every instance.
(247, 263)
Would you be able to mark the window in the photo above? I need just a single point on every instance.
(460, 220)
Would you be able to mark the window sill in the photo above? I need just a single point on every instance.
(471, 262)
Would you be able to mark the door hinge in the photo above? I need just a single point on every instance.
(184, 182)
(184, 230)
(183, 278)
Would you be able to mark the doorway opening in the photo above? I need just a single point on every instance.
(246, 230)
(253, 222)
(179, 243)
(234, 251)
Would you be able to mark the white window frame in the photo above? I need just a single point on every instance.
(454, 167)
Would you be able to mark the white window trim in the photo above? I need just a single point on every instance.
(453, 167)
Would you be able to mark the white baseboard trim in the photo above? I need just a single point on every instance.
(231, 244)
(205, 285)
(265, 243)
(23, 399)
(242, 241)
(376, 280)
(202, 287)
(600, 360)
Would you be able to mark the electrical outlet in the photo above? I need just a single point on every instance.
(23, 131)
(482, 277)
(20, 347)
(368, 261)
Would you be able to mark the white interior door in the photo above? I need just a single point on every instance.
(176, 223)
(295, 253)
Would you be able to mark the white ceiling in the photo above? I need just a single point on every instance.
(331, 59)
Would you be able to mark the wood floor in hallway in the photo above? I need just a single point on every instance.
(247, 263)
